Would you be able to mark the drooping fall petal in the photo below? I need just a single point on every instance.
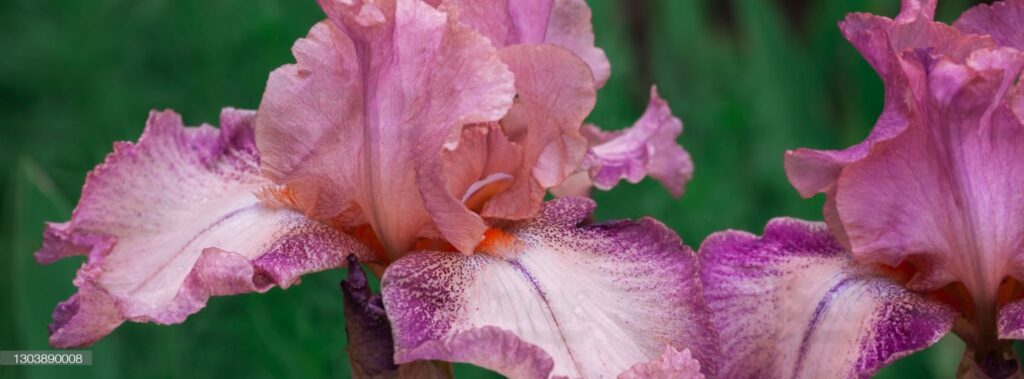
(356, 127)
(647, 148)
(174, 219)
(793, 304)
(549, 297)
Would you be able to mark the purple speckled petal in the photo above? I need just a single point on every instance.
(672, 364)
(1011, 321)
(593, 300)
(647, 148)
(1003, 21)
(794, 304)
(370, 348)
(174, 219)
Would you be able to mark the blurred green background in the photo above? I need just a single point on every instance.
(750, 78)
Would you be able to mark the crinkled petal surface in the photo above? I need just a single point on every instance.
(793, 304)
(174, 219)
(672, 364)
(554, 95)
(565, 23)
(356, 127)
(647, 148)
(571, 28)
(549, 297)
(936, 184)
(1001, 20)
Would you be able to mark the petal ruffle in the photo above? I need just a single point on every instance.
(793, 304)
(672, 364)
(647, 148)
(571, 27)
(357, 126)
(174, 219)
(555, 95)
(935, 186)
(1002, 21)
(548, 297)
(565, 23)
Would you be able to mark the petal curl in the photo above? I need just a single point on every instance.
(647, 148)
(357, 126)
(553, 298)
(571, 28)
(792, 304)
(174, 219)
(935, 186)
(555, 95)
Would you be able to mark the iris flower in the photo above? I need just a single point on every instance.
(419, 138)
(923, 230)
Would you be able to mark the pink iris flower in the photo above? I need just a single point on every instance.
(924, 220)
(419, 138)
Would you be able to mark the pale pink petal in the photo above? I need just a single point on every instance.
(549, 297)
(936, 185)
(300, 131)
(505, 22)
(566, 23)
(886, 44)
(672, 364)
(793, 304)
(647, 148)
(944, 196)
(479, 167)
(555, 94)
(571, 28)
(357, 126)
(1003, 21)
(174, 219)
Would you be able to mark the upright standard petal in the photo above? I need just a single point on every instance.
(356, 128)
(936, 184)
(792, 304)
(571, 27)
(550, 297)
(174, 219)
(565, 23)
(1002, 21)
(554, 95)
(647, 148)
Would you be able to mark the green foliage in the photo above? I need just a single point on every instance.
(750, 79)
